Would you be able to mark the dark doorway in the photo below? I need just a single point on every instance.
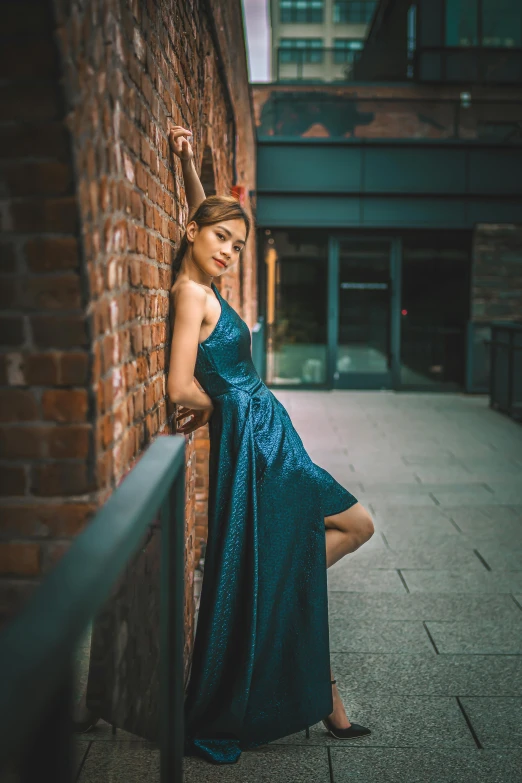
(434, 308)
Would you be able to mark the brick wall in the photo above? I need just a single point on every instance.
(47, 410)
(496, 273)
(92, 210)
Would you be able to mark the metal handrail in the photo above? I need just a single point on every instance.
(37, 647)
(505, 378)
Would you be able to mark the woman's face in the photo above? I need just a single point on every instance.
(217, 247)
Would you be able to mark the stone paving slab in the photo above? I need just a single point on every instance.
(436, 607)
(497, 721)
(462, 582)
(423, 765)
(440, 529)
(402, 536)
(425, 674)
(396, 721)
(360, 581)
(500, 557)
(128, 762)
(123, 762)
(385, 636)
(449, 558)
(477, 637)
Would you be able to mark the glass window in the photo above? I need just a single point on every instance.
(353, 11)
(301, 50)
(461, 23)
(501, 23)
(496, 23)
(301, 10)
(346, 50)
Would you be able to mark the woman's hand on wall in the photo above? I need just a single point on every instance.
(179, 142)
(197, 418)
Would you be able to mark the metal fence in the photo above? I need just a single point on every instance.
(331, 114)
(505, 389)
(37, 648)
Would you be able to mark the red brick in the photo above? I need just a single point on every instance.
(49, 215)
(18, 405)
(69, 405)
(61, 292)
(22, 442)
(21, 559)
(12, 480)
(74, 369)
(52, 553)
(36, 179)
(59, 331)
(36, 139)
(12, 330)
(41, 520)
(52, 255)
(71, 441)
(40, 369)
(61, 479)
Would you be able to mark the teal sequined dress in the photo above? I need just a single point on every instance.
(261, 660)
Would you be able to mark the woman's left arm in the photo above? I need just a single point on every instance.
(181, 147)
(193, 186)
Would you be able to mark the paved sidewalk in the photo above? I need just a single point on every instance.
(425, 619)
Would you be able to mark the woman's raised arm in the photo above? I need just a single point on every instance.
(180, 145)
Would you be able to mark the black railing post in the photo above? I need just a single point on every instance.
(48, 753)
(172, 632)
(511, 377)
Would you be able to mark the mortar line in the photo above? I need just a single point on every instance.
(82, 762)
(470, 725)
(330, 765)
(430, 637)
(403, 580)
(516, 602)
(486, 565)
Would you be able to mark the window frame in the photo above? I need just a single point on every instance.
(294, 11)
(363, 19)
(295, 50)
(479, 8)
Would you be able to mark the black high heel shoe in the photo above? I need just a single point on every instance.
(352, 732)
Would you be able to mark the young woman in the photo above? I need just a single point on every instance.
(261, 660)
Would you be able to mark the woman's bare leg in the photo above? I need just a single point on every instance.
(345, 532)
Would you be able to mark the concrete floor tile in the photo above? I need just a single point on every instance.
(462, 581)
(272, 763)
(496, 721)
(477, 637)
(425, 674)
(120, 761)
(424, 606)
(500, 557)
(450, 558)
(360, 581)
(397, 721)
(386, 637)
(423, 765)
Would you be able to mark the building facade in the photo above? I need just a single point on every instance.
(318, 40)
(389, 205)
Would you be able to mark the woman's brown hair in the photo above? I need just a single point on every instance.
(212, 210)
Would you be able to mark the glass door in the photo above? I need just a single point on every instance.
(361, 315)
(296, 305)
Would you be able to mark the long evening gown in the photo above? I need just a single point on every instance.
(261, 659)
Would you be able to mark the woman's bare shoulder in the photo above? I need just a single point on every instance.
(187, 291)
